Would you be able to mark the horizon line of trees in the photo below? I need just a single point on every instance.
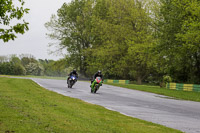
(28, 65)
(131, 39)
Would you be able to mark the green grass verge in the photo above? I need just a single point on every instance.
(176, 94)
(25, 107)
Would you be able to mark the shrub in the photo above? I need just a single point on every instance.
(167, 79)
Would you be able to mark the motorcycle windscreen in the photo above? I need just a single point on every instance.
(98, 79)
(73, 77)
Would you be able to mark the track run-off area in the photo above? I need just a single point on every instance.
(178, 114)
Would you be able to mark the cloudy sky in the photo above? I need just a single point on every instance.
(35, 42)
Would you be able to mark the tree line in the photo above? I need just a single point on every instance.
(28, 65)
(140, 40)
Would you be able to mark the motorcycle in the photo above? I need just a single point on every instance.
(71, 81)
(96, 84)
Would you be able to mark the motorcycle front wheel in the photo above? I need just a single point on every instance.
(96, 88)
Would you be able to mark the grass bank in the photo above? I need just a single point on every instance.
(176, 94)
(27, 107)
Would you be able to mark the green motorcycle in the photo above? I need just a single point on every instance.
(96, 84)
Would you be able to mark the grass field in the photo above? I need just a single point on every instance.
(176, 94)
(25, 107)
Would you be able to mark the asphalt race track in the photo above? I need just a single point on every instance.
(177, 114)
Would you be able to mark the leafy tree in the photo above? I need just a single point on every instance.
(104, 34)
(189, 35)
(6, 68)
(123, 39)
(72, 28)
(3, 59)
(55, 68)
(34, 69)
(15, 60)
(8, 12)
(26, 60)
(19, 69)
(179, 39)
(9, 68)
(59, 67)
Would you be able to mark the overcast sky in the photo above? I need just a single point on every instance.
(34, 42)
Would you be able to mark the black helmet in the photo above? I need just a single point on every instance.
(74, 70)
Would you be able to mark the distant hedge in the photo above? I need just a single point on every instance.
(9, 68)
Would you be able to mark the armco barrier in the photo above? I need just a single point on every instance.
(116, 81)
(184, 87)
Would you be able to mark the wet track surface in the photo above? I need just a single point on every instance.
(177, 114)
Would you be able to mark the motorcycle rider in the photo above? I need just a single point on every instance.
(97, 74)
(72, 73)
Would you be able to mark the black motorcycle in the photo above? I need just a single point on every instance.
(71, 81)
